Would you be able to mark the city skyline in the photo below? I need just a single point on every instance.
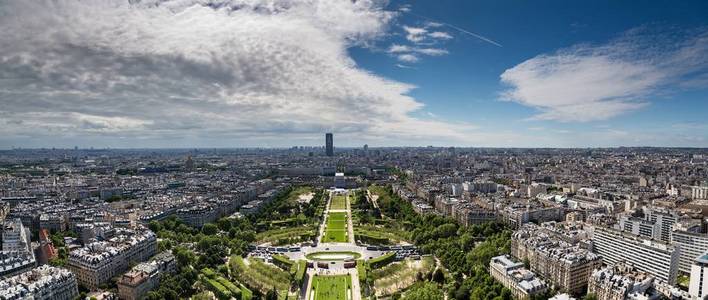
(274, 74)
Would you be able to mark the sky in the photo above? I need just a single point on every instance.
(277, 73)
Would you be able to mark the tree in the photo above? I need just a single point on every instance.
(155, 226)
(210, 229)
(425, 291)
(590, 296)
(272, 294)
(224, 224)
(438, 276)
(184, 256)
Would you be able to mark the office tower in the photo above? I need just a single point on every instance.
(189, 164)
(329, 144)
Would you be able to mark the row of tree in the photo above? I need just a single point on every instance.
(464, 251)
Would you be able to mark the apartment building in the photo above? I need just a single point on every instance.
(41, 283)
(144, 277)
(692, 244)
(620, 282)
(567, 266)
(470, 214)
(96, 263)
(522, 282)
(15, 236)
(654, 257)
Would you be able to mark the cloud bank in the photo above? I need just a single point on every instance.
(216, 69)
(597, 82)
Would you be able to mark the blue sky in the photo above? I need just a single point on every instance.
(465, 85)
(235, 73)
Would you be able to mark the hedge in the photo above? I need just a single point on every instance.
(372, 240)
(209, 273)
(235, 291)
(361, 269)
(246, 294)
(382, 260)
(218, 289)
(300, 274)
(283, 262)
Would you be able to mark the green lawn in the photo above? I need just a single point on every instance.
(336, 228)
(332, 287)
(259, 275)
(338, 202)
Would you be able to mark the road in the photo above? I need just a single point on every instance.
(337, 267)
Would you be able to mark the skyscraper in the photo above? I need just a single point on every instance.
(329, 144)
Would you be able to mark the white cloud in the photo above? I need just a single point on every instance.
(409, 58)
(598, 82)
(440, 35)
(404, 66)
(398, 49)
(415, 34)
(431, 51)
(179, 69)
(395, 48)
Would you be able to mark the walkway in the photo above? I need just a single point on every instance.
(338, 267)
(350, 223)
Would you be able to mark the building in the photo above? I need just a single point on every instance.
(14, 262)
(52, 222)
(563, 296)
(15, 236)
(45, 251)
(96, 263)
(45, 282)
(144, 277)
(664, 220)
(197, 215)
(339, 181)
(189, 164)
(470, 214)
(561, 261)
(522, 282)
(518, 215)
(692, 245)
(17, 255)
(445, 205)
(329, 144)
(654, 257)
(698, 287)
(698, 192)
(621, 282)
(638, 226)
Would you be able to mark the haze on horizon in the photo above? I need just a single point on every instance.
(277, 73)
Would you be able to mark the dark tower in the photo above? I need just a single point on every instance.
(329, 144)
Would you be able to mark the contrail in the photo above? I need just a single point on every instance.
(456, 28)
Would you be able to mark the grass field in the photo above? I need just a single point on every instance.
(338, 202)
(259, 275)
(399, 276)
(331, 288)
(336, 228)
